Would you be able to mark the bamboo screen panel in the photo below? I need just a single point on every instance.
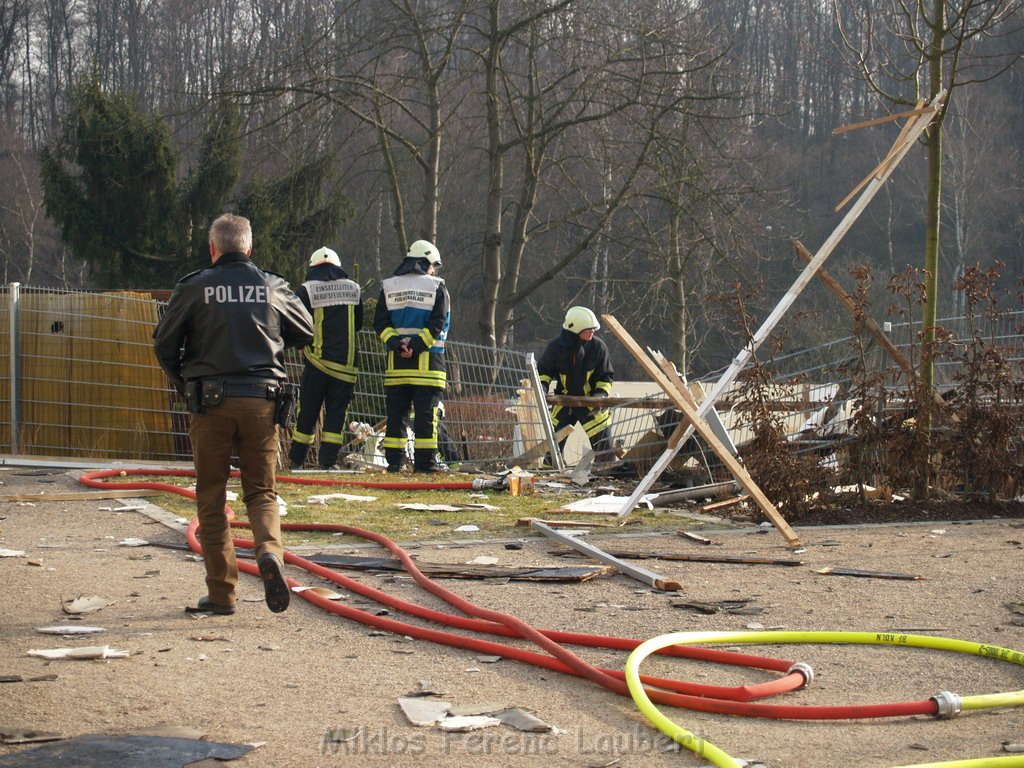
(89, 383)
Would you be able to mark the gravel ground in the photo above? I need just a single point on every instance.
(287, 680)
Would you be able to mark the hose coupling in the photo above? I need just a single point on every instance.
(804, 669)
(949, 704)
(489, 483)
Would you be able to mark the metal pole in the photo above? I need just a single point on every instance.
(650, 578)
(542, 407)
(15, 294)
(697, 492)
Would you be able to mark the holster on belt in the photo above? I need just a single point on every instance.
(284, 403)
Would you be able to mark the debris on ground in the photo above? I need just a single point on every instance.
(100, 751)
(483, 560)
(83, 605)
(324, 498)
(693, 537)
(522, 720)
(462, 724)
(79, 654)
(454, 571)
(70, 630)
(684, 557)
(740, 607)
(635, 572)
(324, 592)
(423, 712)
(608, 504)
(870, 574)
(10, 735)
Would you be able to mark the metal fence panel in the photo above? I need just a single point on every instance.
(86, 384)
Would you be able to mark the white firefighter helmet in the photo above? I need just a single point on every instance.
(324, 256)
(579, 319)
(424, 249)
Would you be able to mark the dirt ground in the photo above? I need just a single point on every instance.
(287, 680)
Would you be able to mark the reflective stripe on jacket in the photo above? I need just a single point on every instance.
(337, 308)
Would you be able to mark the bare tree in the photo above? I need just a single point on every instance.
(906, 51)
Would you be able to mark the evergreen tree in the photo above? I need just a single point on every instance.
(293, 215)
(212, 179)
(109, 185)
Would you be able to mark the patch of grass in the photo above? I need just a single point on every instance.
(385, 516)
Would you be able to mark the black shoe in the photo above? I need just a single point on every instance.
(394, 469)
(275, 588)
(205, 606)
(425, 470)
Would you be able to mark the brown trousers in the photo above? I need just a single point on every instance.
(245, 423)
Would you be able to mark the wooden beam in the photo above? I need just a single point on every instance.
(574, 401)
(684, 404)
(878, 170)
(918, 110)
(694, 558)
(640, 574)
(848, 301)
(725, 504)
(711, 415)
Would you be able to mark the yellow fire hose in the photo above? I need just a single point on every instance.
(949, 704)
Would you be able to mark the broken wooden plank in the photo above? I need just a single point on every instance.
(919, 110)
(538, 451)
(689, 558)
(640, 574)
(881, 168)
(725, 504)
(579, 401)
(870, 574)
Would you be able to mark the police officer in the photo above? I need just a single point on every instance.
(329, 376)
(412, 318)
(222, 340)
(578, 363)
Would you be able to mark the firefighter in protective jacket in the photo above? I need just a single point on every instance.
(329, 376)
(412, 318)
(578, 363)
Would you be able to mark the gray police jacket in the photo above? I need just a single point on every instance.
(232, 321)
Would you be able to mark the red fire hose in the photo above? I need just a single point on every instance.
(707, 698)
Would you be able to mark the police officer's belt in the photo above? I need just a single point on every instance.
(267, 391)
(221, 388)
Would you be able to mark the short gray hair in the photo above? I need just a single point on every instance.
(231, 234)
